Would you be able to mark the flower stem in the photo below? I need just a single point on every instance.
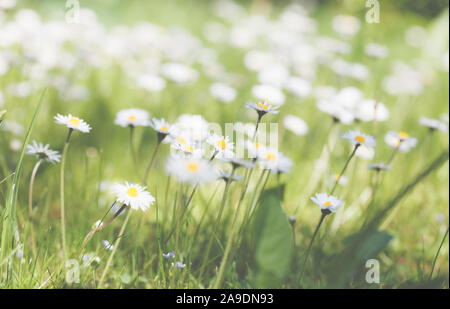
(116, 244)
(149, 167)
(63, 223)
(133, 151)
(219, 217)
(322, 218)
(344, 169)
(30, 203)
(437, 254)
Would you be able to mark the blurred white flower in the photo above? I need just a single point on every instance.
(179, 73)
(151, 82)
(295, 124)
(403, 80)
(346, 25)
(376, 50)
(416, 36)
(365, 153)
(272, 95)
(342, 180)
(193, 171)
(402, 140)
(132, 117)
(274, 161)
(223, 92)
(298, 87)
(433, 124)
(15, 145)
(371, 110)
(275, 75)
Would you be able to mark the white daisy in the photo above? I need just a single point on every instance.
(132, 117)
(401, 139)
(133, 195)
(223, 92)
(295, 124)
(342, 180)
(275, 161)
(189, 170)
(357, 138)
(184, 146)
(376, 50)
(222, 146)
(107, 245)
(269, 93)
(262, 108)
(169, 255)
(226, 176)
(73, 123)
(162, 127)
(433, 124)
(255, 149)
(380, 166)
(43, 152)
(371, 110)
(327, 203)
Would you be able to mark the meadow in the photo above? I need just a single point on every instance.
(335, 174)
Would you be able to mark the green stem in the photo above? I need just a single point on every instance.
(437, 253)
(116, 244)
(149, 167)
(63, 223)
(30, 204)
(219, 217)
(344, 169)
(322, 218)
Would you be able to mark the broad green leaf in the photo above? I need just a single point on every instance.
(273, 242)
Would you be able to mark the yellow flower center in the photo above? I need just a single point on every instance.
(257, 145)
(181, 140)
(360, 139)
(403, 135)
(164, 129)
(133, 192)
(189, 148)
(132, 118)
(74, 121)
(327, 204)
(263, 106)
(336, 176)
(222, 144)
(192, 166)
(271, 156)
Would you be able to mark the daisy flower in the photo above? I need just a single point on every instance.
(295, 124)
(223, 92)
(400, 140)
(380, 166)
(262, 108)
(133, 195)
(357, 138)
(433, 124)
(255, 149)
(162, 127)
(275, 161)
(43, 152)
(73, 123)
(226, 176)
(327, 203)
(191, 170)
(133, 117)
(236, 162)
(223, 148)
(342, 180)
(184, 146)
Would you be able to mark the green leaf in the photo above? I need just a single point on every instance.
(359, 249)
(273, 242)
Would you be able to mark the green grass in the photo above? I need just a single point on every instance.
(103, 155)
